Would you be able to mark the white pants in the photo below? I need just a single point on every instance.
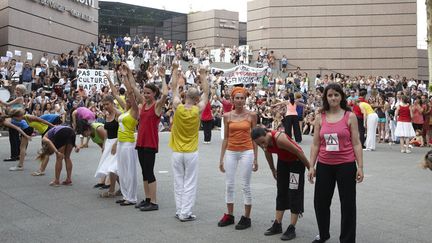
(372, 123)
(127, 159)
(392, 130)
(243, 160)
(185, 171)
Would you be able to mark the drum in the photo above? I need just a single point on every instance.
(4, 94)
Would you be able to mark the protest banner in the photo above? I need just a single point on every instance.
(92, 77)
(9, 54)
(29, 56)
(19, 67)
(241, 74)
(17, 53)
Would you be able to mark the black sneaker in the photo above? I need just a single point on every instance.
(143, 203)
(319, 240)
(99, 185)
(244, 223)
(104, 187)
(11, 159)
(289, 233)
(275, 229)
(226, 220)
(150, 207)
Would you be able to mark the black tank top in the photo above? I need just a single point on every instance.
(111, 128)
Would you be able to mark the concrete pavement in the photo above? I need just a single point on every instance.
(393, 203)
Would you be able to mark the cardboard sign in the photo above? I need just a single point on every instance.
(242, 74)
(92, 77)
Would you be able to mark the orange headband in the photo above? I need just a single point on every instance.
(238, 90)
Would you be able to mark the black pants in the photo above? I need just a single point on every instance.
(147, 159)
(290, 186)
(14, 140)
(326, 178)
(207, 127)
(291, 122)
(362, 131)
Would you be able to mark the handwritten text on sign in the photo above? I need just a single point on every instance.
(92, 77)
(242, 75)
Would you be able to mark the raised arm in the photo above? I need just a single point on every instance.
(115, 92)
(164, 94)
(205, 88)
(131, 98)
(174, 86)
(131, 78)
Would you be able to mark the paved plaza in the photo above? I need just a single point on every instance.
(394, 203)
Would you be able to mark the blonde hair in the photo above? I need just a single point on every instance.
(21, 88)
(44, 152)
(297, 95)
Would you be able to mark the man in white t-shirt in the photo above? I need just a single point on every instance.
(190, 75)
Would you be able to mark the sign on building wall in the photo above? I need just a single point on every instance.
(56, 5)
(92, 77)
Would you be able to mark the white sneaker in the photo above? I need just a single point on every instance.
(188, 218)
(403, 151)
(16, 168)
(408, 151)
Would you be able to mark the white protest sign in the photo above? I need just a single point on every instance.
(29, 56)
(131, 65)
(4, 59)
(17, 53)
(18, 67)
(92, 77)
(38, 70)
(9, 54)
(242, 74)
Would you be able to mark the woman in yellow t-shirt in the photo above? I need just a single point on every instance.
(127, 157)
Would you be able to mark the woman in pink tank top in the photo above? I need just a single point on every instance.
(335, 149)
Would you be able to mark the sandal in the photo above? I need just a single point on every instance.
(127, 203)
(38, 173)
(67, 183)
(107, 195)
(54, 184)
(120, 201)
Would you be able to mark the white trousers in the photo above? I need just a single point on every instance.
(127, 158)
(185, 171)
(392, 130)
(372, 123)
(244, 161)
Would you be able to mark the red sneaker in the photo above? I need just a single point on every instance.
(226, 220)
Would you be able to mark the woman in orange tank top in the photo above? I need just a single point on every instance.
(238, 150)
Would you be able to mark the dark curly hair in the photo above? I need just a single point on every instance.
(336, 87)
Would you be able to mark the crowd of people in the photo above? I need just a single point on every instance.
(346, 116)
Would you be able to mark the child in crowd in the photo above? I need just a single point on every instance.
(417, 141)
